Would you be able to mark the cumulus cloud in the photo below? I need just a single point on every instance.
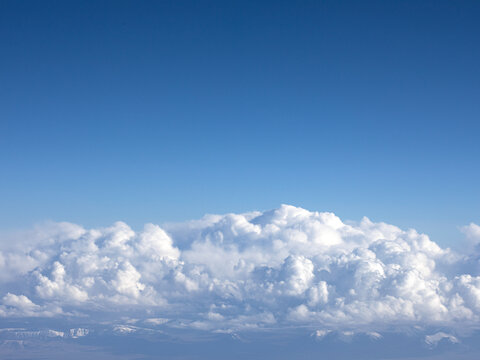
(472, 231)
(21, 306)
(260, 270)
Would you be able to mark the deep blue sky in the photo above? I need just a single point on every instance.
(164, 111)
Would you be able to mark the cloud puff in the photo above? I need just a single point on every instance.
(472, 231)
(261, 270)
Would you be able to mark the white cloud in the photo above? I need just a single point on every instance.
(21, 302)
(156, 321)
(472, 231)
(320, 334)
(434, 339)
(272, 270)
(13, 305)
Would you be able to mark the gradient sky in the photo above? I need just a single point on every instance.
(165, 111)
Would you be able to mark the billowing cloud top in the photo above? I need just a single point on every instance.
(274, 270)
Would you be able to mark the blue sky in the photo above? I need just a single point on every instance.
(165, 111)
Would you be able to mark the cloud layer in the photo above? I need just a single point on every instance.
(269, 271)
